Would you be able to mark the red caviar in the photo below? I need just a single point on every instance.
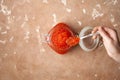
(72, 41)
(59, 38)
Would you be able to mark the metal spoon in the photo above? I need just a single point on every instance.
(89, 35)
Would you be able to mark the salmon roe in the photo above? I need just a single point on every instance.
(62, 38)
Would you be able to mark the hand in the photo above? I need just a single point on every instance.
(110, 41)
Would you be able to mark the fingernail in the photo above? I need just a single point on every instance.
(100, 28)
(92, 32)
(93, 37)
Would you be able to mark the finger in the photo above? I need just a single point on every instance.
(103, 33)
(112, 33)
(95, 29)
(95, 36)
(109, 30)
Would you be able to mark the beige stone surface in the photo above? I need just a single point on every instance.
(24, 55)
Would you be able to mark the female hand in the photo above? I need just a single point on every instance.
(110, 41)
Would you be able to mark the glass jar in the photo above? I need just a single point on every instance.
(88, 44)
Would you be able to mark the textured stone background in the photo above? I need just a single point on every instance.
(24, 55)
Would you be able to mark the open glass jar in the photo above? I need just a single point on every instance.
(58, 37)
(88, 44)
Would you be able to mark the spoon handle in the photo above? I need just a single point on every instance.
(89, 35)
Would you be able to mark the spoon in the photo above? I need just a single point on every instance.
(89, 35)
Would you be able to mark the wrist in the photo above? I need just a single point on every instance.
(116, 56)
